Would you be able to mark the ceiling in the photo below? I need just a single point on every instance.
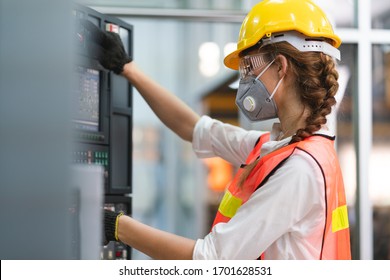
(341, 12)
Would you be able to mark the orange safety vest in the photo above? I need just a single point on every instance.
(336, 239)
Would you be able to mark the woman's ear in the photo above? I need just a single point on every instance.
(282, 64)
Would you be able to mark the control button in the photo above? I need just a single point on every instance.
(112, 28)
(110, 255)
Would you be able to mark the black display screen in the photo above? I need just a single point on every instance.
(86, 99)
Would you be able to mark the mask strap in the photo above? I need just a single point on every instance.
(276, 88)
(265, 69)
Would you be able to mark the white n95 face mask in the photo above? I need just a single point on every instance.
(254, 100)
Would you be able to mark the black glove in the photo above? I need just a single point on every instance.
(110, 226)
(109, 50)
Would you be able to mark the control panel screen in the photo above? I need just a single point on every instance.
(86, 98)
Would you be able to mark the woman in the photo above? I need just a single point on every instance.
(287, 200)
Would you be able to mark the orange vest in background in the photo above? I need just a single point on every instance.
(336, 239)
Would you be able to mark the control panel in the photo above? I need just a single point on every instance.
(102, 116)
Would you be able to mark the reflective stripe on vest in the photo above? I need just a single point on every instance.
(336, 239)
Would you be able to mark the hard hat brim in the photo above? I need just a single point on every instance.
(232, 60)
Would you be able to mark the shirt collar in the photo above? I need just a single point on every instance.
(276, 132)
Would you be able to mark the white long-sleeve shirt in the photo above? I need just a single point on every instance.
(284, 218)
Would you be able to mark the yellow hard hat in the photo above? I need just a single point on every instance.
(274, 16)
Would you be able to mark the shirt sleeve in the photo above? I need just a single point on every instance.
(292, 200)
(213, 138)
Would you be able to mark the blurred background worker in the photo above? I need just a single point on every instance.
(287, 201)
